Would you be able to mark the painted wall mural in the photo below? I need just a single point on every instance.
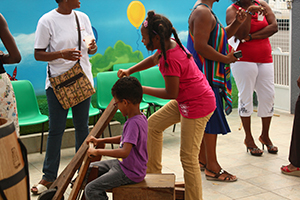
(116, 24)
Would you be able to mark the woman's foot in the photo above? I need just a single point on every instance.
(290, 170)
(266, 141)
(221, 175)
(254, 150)
(42, 186)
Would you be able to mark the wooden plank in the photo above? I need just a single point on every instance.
(179, 190)
(153, 187)
(81, 176)
(180, 184)
(62, 182)
(179, 193)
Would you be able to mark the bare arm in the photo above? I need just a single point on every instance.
(244, 29)
(239, 17)
(13, 55)
(269, 30)
(201, 24)
(169, 92)
(109, 140)
(144, 64)
(116, 153)
(68, 54)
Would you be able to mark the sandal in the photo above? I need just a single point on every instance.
(202, 166)
(287, 171)
(254, 151)
(216, 177)
(271, 148)
(42, 186)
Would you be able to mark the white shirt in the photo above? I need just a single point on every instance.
(56, 32)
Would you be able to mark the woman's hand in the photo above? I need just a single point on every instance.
(123, 72)
(71, 54)
(92, 47)
(256, 9)
(246, 39)
(231, 58)
(241, 15)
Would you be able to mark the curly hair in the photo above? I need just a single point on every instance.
(128, 88)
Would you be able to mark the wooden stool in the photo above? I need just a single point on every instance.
(179, 190)
(153, 187)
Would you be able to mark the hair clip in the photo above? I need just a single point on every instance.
(145, 23)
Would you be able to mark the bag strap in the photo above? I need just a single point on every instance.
(79, 41)
(2, 194)
(79, 34)
(24, 155)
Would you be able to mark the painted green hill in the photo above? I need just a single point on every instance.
(120, 53)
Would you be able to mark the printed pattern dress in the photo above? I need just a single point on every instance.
(8, 106)
(218, 75)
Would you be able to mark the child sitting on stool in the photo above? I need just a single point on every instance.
(132, 157)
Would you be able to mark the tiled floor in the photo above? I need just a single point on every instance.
(258, 177)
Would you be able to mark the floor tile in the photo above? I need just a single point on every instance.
(259, 178)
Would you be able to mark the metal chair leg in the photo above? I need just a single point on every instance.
(149, 111)
(112, 145)
(174, 127)
(42, 139)
(95, 120)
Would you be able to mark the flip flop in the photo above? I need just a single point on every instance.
(285, 170)
(216, 176)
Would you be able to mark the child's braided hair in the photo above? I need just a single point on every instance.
(160, 25)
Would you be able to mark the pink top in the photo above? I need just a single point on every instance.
(257, 50)
(196, 98)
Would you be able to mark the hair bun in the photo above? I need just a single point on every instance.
(151, 13)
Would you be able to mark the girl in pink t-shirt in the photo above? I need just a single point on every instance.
(193, 99)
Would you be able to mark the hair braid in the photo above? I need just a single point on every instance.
(161, 30)
(179, 42)
(151, 20)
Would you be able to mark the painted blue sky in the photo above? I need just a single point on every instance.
(109, 18)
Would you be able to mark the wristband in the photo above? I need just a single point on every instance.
(250, 36)
(247, 11)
